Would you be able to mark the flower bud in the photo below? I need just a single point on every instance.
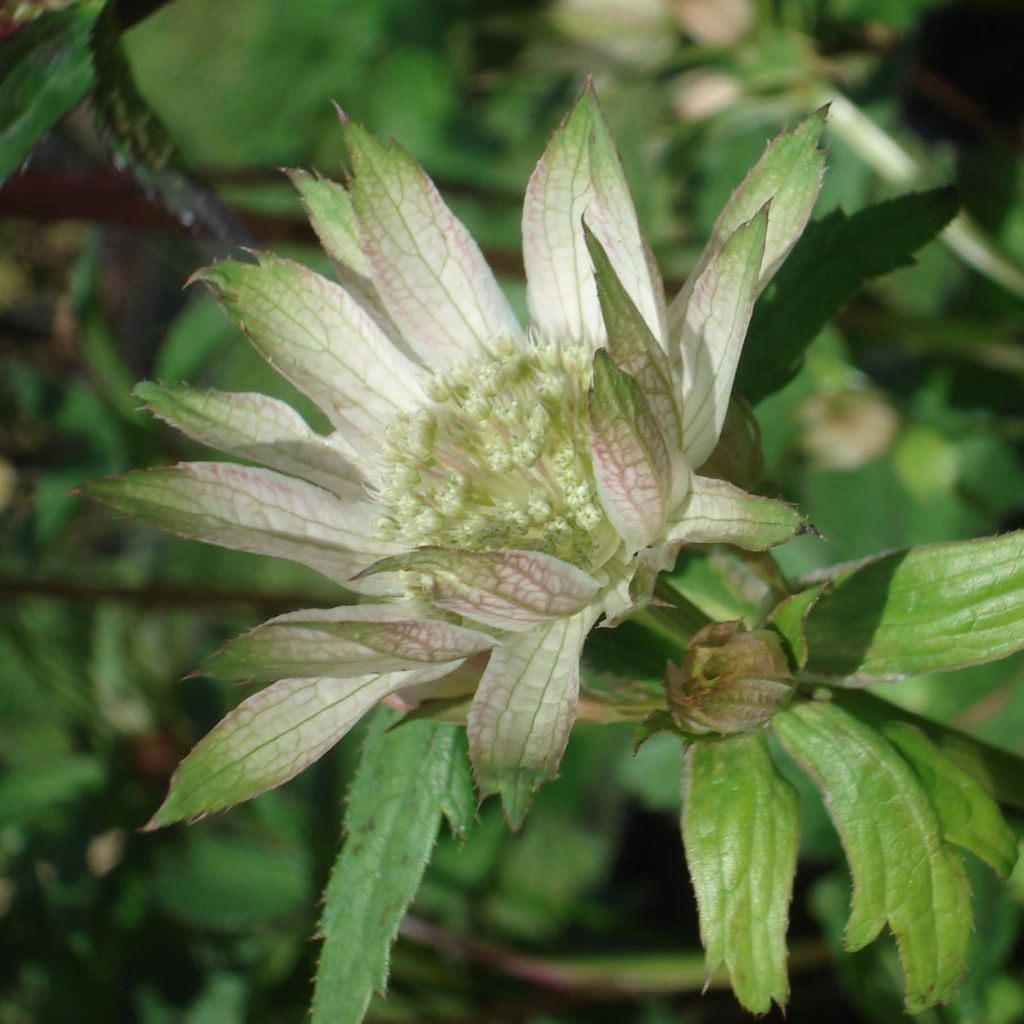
(730, 680)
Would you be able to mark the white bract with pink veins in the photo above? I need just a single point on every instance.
(491, 491)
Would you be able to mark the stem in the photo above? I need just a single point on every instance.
(624, 974)
(158, 595)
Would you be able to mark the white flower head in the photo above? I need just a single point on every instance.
(493, 491)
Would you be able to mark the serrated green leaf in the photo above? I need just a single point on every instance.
(142, 142)
(835, 256)
(45, 69)
(999, 772)
(741, 831)
(394, 810)
(968, 816)
(924, 609)
(458, 801)
(904, 874)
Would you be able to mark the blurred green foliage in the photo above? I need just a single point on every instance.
(902, 425)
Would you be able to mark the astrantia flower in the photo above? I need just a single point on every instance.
(492, 491)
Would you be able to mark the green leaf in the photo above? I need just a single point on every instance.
(45, 69)
(835, 256)
(903, 871)
(789, 619)
(394, 809)
(37, 791)
(142, 142)
(1000, 773)
(969, 817)
(458, 801)
(741, 831)
(924, 609)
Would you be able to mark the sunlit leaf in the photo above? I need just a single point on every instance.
(741, 830)
(923, 609)
(904, 874)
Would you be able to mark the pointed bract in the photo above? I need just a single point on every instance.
(523, 710)
(247, 509)
(716, 512)
(516, 590)
(712, 334)
(268, 739)
(315, 334)
(633, 347)
(258, 428)
(343, 642)
(333, 218)
(631, 461)
(788, 175)
(428, 271)
(580, 174)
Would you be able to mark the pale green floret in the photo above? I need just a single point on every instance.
(499, 458)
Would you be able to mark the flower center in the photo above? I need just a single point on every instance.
(499, 459)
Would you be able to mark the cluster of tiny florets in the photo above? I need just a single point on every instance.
(499, 458)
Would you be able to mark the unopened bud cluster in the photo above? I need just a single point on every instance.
(730, 680)
(500, 459)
